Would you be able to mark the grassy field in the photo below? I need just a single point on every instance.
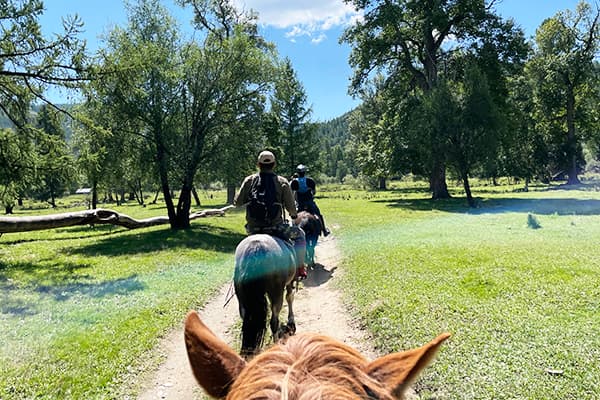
(515, 281)
(81, 308)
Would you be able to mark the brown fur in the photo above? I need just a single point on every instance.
(304, 367)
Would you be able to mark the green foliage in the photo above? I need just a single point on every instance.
(55, 166)
(31, 62)
(335, 147)
(563, 74)
(291, 133)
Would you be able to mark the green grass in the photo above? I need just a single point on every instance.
(517, 300)
(82, 308)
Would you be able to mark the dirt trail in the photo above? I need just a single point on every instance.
(317, 307)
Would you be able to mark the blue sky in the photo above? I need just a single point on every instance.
(305, 31)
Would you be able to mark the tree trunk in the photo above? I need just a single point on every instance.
(156, 196)
(161, 157)
(94, 204)
(20, 201)
(184, 205)
(381, 183)
(8, 209)
(467, 187)
(571, 138)
(231, 188)
(196, 197)
(437, 181)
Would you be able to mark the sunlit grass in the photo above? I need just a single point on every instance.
(519, 301)
(83, 308)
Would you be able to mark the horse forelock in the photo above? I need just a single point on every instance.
(307, 367)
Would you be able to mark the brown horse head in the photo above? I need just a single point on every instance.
(304, 367)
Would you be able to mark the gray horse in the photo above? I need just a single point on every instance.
(264, 266)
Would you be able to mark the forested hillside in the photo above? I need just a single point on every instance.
(336, 152)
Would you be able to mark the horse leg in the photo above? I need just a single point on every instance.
(276, 298)
(310, 252)
(289, 297)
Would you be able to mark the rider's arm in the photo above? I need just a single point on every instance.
(311, 185)
(288, 200)
(241, 197)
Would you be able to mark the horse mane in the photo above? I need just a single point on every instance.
(307, 366)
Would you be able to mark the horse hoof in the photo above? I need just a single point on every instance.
(291, 327)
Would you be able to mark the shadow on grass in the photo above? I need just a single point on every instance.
(121, 286)
(26, 287)
(71, 233)
(559, 206)
(136, 242)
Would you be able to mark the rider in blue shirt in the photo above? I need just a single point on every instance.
(305, 188)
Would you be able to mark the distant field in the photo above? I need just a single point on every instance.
(515, 281)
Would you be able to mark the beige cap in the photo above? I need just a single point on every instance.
(266, 157)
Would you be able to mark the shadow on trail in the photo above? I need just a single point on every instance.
(318, 275)
(197, 237)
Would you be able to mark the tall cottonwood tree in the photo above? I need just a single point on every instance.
(406, 40)
(185, 98)
(226, 79)
(139, 90)
(563, 71)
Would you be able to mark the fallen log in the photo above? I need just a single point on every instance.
(91, 217)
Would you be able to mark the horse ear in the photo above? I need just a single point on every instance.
(214, 363)
(397, 371)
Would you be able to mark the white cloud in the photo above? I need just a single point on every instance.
(309, 18)
(319, 39)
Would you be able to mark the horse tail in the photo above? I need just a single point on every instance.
(251, 292)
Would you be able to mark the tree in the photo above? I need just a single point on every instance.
(369, 127)
(226, 80)
(406, 40)
(29, 62)
(472, 120)
(54, 165)
(292, 133)
(17, 162)
(414, 44)
(563, 70)
(185, 100)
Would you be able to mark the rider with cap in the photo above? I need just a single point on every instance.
(305, 189)
(270, 218)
